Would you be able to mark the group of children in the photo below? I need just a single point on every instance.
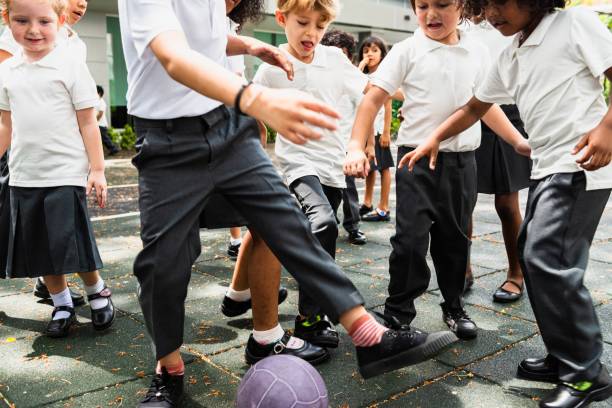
(197, 139)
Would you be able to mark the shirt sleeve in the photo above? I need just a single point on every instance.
(392, 70)
(149, 18)
(592, 40)
(8, 43)
(5, 104)
(83, 91)
(493, 90)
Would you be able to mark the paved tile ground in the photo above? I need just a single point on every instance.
(113, 369)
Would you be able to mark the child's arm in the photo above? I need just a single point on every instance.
(93, 145)
(462, 119)
(290, 112)
(6, 130)
(499, 123)
(385, 138)
(240, 45)
(356, 163)
(597, 144)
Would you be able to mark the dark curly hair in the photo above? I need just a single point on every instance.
(475, 8)
(373, 41)
(248, 10)
(340, 39)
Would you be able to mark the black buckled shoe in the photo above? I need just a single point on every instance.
(357, 238)
(364, 209)
(233, 308)
(377, 215)
(502, 295)
(400, 346)
(41, 291)
(580, 394)
(460, 323)
(317, 330)
(232, 251)
(166, 391)
(102, 319)
(61, 327)
(539, 369)
(255, 352)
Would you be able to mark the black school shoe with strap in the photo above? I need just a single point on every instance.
(41, 291)
(580, 394)
(255, 352)
(400, 346)
(233, 308)
(317, 330)
(103, 318)
(166, 391)
(61, 327)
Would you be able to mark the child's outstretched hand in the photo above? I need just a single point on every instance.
(429, 148)
(597, 148)
(523, 148)
(385, 141)
(356, 164)
(271, 55)
(97, 181)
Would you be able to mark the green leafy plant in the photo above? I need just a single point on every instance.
(128, 138)
(271, 134)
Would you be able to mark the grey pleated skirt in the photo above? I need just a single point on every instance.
(50, 233)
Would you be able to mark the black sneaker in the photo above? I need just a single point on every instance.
(41, 291)
(357, 238)
(166, 391)
(232, 251)
(317, 330)
(460, 323)
(288, 345)
(364, 209)
(400, 346)
(580, 394)
(233, 308)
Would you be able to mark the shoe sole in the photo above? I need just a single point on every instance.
(501, 300)
(530, 376)
(254, 360)
(432, 346)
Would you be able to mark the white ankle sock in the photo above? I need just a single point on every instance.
(62, 299)
(235, 241)
(268, 336)
(92, 290)
(238, 295)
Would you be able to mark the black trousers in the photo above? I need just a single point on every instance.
(320, 204)
(180, 163)
(5, 213)
(106, 140)
(554, 242)
(436, 204)
(350, 206)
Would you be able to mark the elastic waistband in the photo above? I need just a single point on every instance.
(205, 121)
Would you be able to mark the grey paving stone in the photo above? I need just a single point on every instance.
(483, 228)
(10, 287)
(125, 226)
(604, 312)
(601, 251)
(488, 254)
(348, 255)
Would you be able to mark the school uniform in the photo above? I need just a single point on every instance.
(314, 170)
(436, 80)
(554, 79)
(347, 107)
(48, 165)
(501, 169)
(190, 146)
(5, 211)
(103, 126)
(384, 158)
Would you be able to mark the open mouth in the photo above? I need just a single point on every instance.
(34, 40)
(498, 24)
(77, 14)
(434, 26)
(307, 45)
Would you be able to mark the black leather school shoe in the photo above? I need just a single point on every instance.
(166, 391)
(580, 394)
(255, 352)
(539, 369)
(41, 291)
(102, 319)
(233, 308)
(317, 330)
(61, 327)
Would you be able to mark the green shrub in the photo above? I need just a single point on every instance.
(271, 134)
(114, 135)
(128, 138)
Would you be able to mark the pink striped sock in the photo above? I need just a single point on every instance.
(366, 331)
(178, 369)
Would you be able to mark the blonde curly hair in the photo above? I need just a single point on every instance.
(327, 8)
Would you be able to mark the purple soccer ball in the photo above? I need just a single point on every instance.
(282, 382)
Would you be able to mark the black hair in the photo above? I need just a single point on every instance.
(340, 39)
(369, 42)
(100, 90)
(248, 10)
(475, 8)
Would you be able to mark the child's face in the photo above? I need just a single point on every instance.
(304, 31)
(231, 5)
(373, 54)
(507, 17)
(438, 19)
(34, 25)
(75, 11)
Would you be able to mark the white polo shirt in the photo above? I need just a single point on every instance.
(329, 77)
(379, 121)
(102, 122)
(554, 79)
(489, 36)
(66, 35)
(347, 108)
(436, 80)
(47, 149)
(234, 63)
(152, 94)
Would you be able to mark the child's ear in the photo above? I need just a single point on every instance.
(61, 20)
(5, 17)
(281, 18)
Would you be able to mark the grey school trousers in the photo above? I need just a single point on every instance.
(350, 206)
(5, 213)
(438, 205)
(180, 163)
(556, 234)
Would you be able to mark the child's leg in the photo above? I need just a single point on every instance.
(233, 248)
(469, 276)
(559, 226)
(350, 206)
(58, 288)
(385, 189)
(507, 207)
(240, 278)
(370, 181)
(235, 233)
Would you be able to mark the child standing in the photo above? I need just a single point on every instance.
(371, 53)
(51, 156)
(437, 70)
(553, 70)
(103, 123)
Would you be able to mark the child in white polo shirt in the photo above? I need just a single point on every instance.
(437, 70)
(553, 71)
(47, 101)
(313, 171)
